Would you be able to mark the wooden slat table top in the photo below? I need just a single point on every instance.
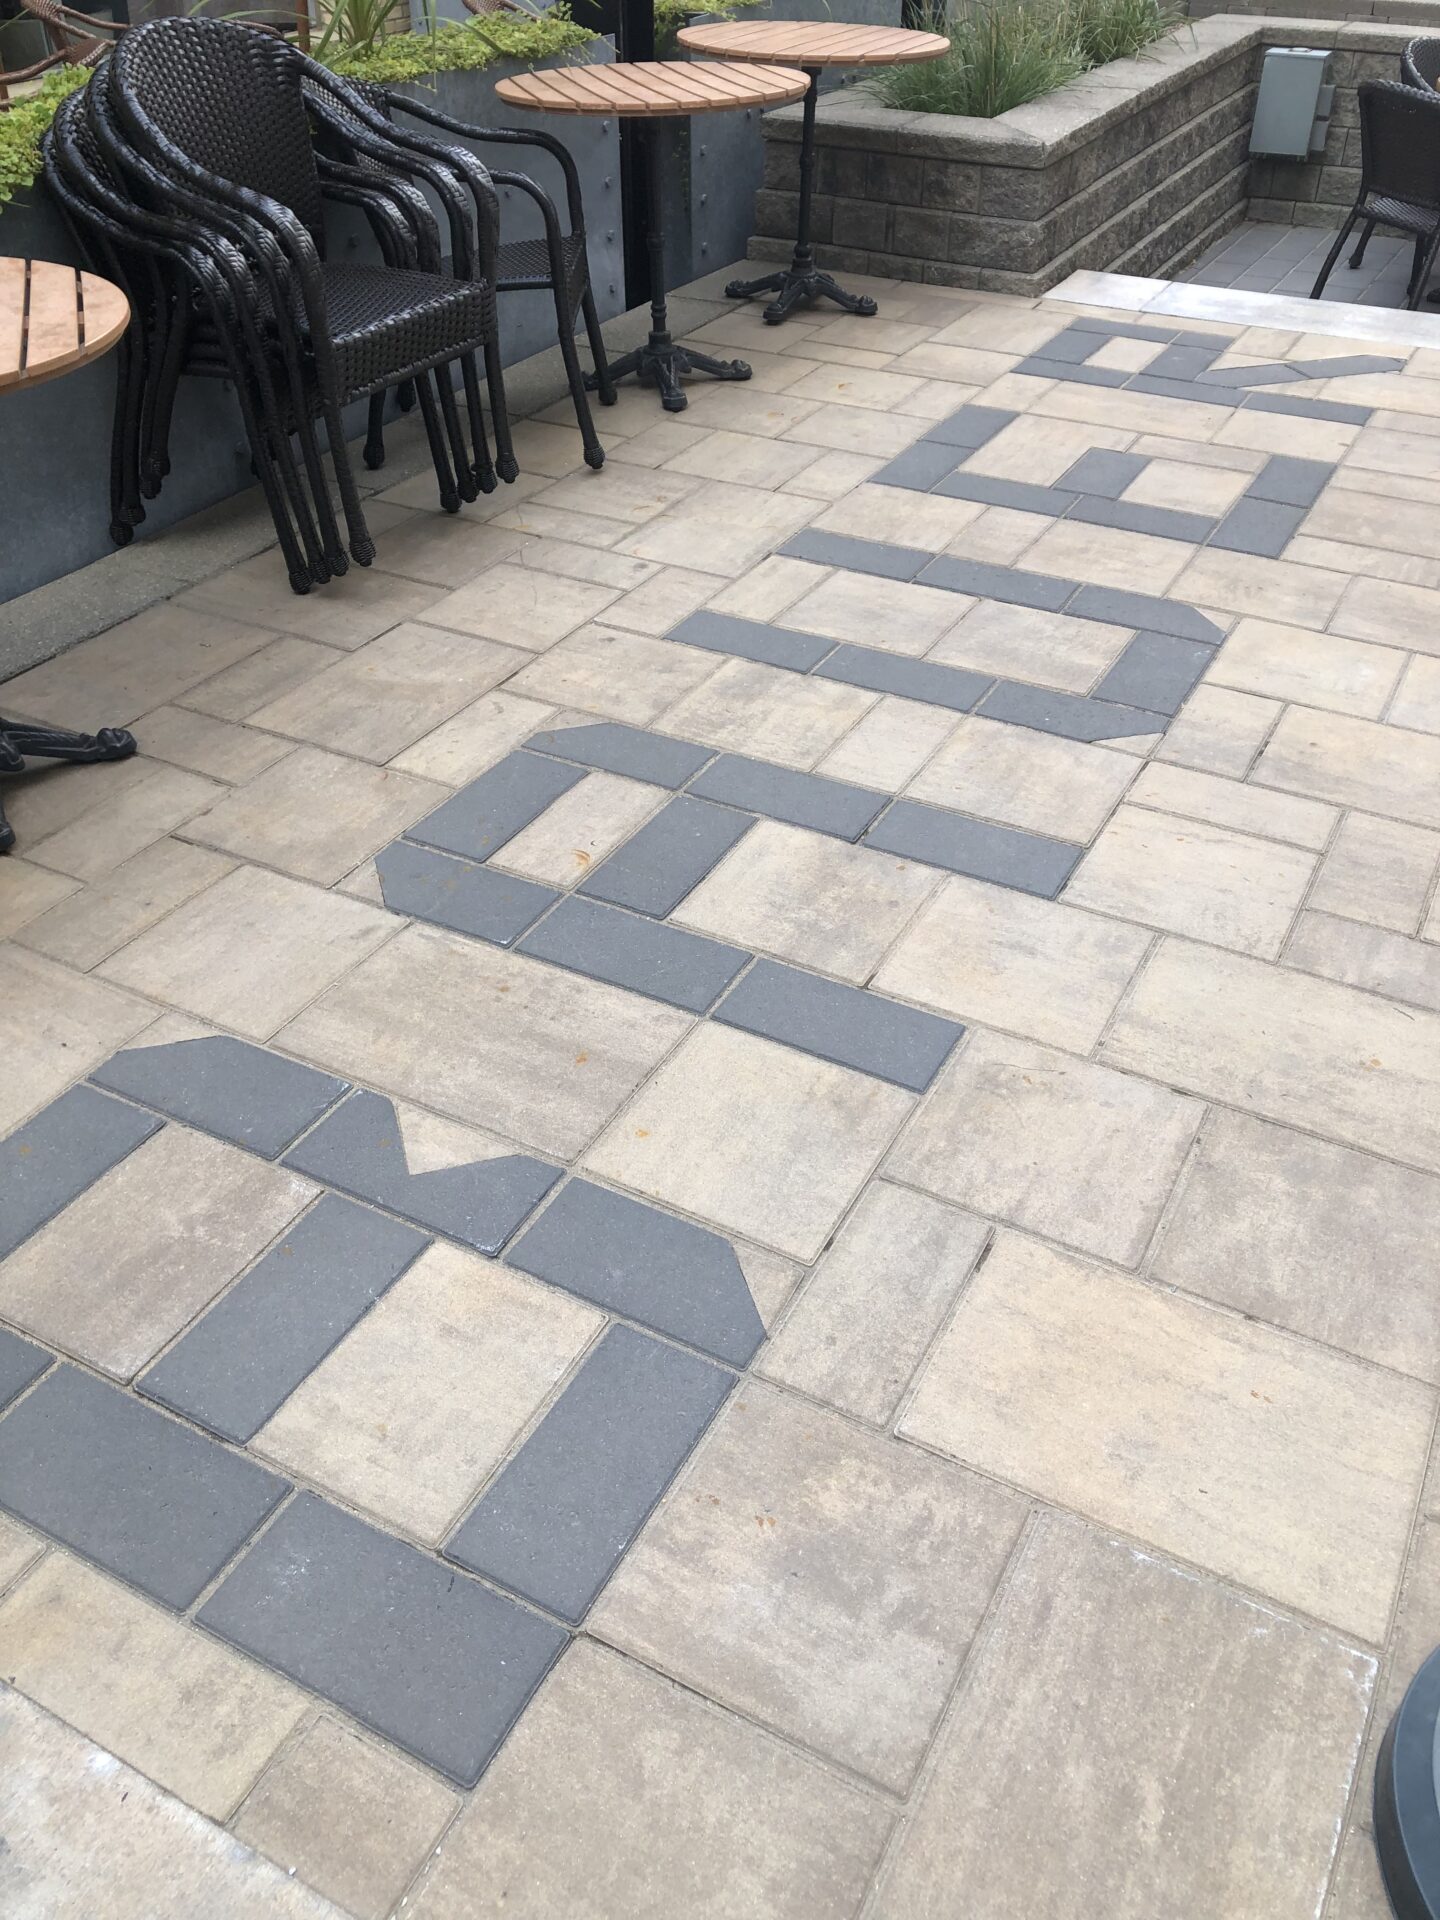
(652, 87)
(53, 319)
(813, 43)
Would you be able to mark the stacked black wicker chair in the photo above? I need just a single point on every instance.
(189, 170)
(1399, 174)
(1420, 63)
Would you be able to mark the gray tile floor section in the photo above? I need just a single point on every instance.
(454, 893)
(844, 1024)
(62, 1151)
(1264, 257)
(227, 1087)
(627, 950)
(20, 1363)
(669, 857)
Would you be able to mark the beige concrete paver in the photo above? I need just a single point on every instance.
(1378, 870)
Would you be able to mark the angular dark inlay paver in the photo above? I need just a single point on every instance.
(1308, 409)
(751, 640)
(1071, 714)
(844, 1024)
(20, 1363)
(802, 799)
(227, 1087)
(1120, 608)
(360, 1149)
(615, 748)
(969, 427)
(457, 894)
(1166, 523)
(857, 556)
(1022, 495)
(920, 466)
(1104, 473)
(1043, 366)
(1026, 861)
(683, 969)
(989, 582)
(680, 1279)
(928, 680)
(53, 1158)
(554, 1525)
(668, 857)
(248, 1354)
(493, 809)
(1181, 361)
(1258, 526)
(418, 1651)
(129, 1488)
(1155, 671)
(1291, 482)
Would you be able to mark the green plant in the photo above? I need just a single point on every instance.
(462, 47)
(672, 15)
(358, 25)
(22, 128)
(1105, 30)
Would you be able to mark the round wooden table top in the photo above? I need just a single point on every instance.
(54, 319)
(651, 87)
(814, 43)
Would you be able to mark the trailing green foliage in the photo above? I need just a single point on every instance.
(1004, 53)
(462, 47)
(22, 128)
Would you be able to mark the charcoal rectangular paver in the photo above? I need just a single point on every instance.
(1181, 361)
(1272, 373)
(1303, 409)
(1290, 482)
(361, 1149)
(1156, 672)
(220, 1085)
(1120, 329)
(990, 582)
(486, 904)
(277, 1323)
(1071, 348)
(615, 748)
(493, 809)
(928, 680)
(418, 1651)
(1073, 715)
(634, 1260)
(858, 556)
(161, 1505)
(670, 855)
(20, 1363)
(628, 950)
(848, 1025)
(1346, 363)
(1041, 366)
(969, 427)
(804, 799)
(1258, 526)
(1135, 517)
(1120, 608)
(554, 1524)
(1029, 862)
(920, 466)
(53, 1158)
(751, 640)
(1019, 494)
(1103, 473)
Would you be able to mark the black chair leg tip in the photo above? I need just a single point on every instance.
(121, 532)
(595, 457)
(449, 500)
(508, 468)
(374, 458)
(300, 582)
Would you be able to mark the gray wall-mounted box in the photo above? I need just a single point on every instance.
(1292, 109)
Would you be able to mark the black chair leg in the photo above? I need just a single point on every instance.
(506, 465)
(1334, 254)
(362, 547)
(124, 443)
(375, 433)
(1359, 253)
(1425, 252)
(439, 453)
(604, 385)
(575, 374)
(483, 469)
(466, 484)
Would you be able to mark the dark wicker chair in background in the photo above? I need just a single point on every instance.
(1399, 177)
(72, 39)
(1420, 63)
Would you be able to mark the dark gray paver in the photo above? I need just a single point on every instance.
(928, 680)
(53, 1158)
(670, 855)
(920, 466)
(634, 1260)
(683, 969)
(1217, 342)
(277, 1323)
(1019, 494)
(616, 748)
(20, 1363)
(1071, 348)
(858, 556)
(1121, 330)
(1135, 517)
(848, 1025)
(1291, 482)
(226, 1087)
(554, 1525)
(1272, 373)
(1029, 862)
(969, 427)
(1155, 671)
(1041, 366)
(426, 1656)
(989, 582)
(1120, 608)
(1258, 526)
(1183, 390)
(1308, 409)
(1346, 363)
(751, 640)
(157, 1503)
(480, 901)
(1074, 715)
(493, 809)
(360, 1150)
(1181, 361)
(804, 799)
(1103, 473)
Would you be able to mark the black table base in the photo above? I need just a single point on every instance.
(19, 741)
(802, 283)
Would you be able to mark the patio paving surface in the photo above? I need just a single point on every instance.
(718, 1197)
(1261, 256)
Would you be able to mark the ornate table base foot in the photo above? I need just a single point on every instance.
(19, 741)
(798, 286)
(660, 363)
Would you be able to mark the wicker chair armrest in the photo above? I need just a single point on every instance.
(504, 136)
(404, 239)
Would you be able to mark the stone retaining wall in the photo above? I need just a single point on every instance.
(1320, 191)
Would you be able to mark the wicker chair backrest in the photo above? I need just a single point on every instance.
(1399, 143)
(1420, 63)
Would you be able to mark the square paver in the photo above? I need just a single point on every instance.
(1065, 788)
(757, 1138)
(791, 1515)
(140, 1495)
(64, 1149)
(1378, 871)
(427, 1657)
(240, 1093)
